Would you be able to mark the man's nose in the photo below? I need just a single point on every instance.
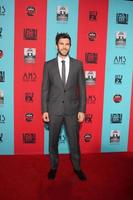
(64, 46)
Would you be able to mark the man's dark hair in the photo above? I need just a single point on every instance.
(62, 35)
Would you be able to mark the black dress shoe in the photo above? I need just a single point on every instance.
(52, 174)
(80, 175)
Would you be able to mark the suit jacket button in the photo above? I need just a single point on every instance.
(62, 101)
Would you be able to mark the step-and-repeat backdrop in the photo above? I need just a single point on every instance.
(102, 37)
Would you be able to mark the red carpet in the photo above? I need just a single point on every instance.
(110, 177)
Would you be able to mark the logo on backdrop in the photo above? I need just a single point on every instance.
(114, 136)
(29, 55)
(30, 34)
(2, 10)
(88, 118)
(29, 76)
(122, 18)
(120, 60)
(92, 36)
(117, 98)
(29, 97)
(62, 13)
(1, 54)
(30, 11)
(90, 77)
(88, 137)
(93, 16)
(62, 138)
(120, 39)
(2, 119)
(2, 76)
(1, 32)
(46, 125)
(1, 97)
(1, 137)
(91, 58)
(116, 118)
(29, 138)
(91, 99)
(118, 79)
(29, 117)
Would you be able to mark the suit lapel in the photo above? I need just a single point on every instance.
(57, 72)
(70, 73)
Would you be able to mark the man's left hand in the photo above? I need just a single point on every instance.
(81, 116)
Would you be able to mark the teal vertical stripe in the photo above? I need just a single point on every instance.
(7, 65)
(117, 69)
(54, 26)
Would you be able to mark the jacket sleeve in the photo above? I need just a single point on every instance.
(82, 90)
(45, 89)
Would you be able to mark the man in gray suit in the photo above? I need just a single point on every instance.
(64, 102)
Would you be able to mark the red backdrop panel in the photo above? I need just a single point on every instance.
(130, 138)
(29, 136)
(99, 26)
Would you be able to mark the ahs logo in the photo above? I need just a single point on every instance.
(120, 60)
(29, 76)
(91, 99)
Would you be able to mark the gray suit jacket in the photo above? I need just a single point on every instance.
(56, 99)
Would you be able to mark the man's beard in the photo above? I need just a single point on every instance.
(59, 52)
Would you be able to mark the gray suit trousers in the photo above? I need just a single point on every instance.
(72, 131)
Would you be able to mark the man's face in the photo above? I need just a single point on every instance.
(63, 46)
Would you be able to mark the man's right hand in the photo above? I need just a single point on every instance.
(45, 117)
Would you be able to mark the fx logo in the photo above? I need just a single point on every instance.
(88, 118)
(118, 79)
